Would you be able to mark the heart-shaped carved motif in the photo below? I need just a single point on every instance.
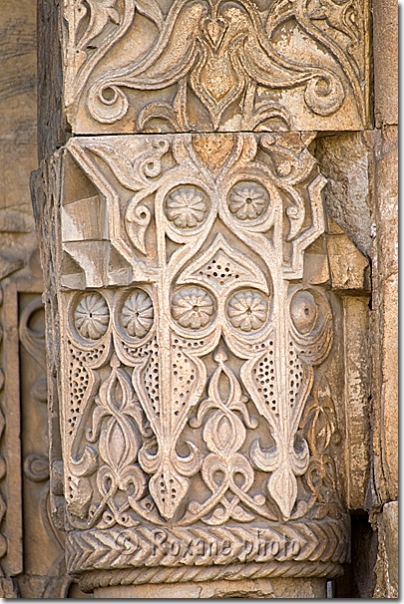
(214, 30)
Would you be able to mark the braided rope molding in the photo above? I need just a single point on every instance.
(234, 572)
(160, 554)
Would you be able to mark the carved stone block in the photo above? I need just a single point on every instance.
(201, 359)
(208, 349)
(214, 65)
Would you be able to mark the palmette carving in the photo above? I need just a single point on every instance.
(186, 405)
(216, 64)
(179, 437)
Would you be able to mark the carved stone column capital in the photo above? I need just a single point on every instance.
(200, 361)
(199, 324)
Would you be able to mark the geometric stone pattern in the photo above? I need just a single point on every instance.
(212, 65)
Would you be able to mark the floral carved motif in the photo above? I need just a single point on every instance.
(186, 207)
(137, 314)
(248, 201)
(196, 398)
(92, 317)
(216, 64)
(247, 311)
(192, 308)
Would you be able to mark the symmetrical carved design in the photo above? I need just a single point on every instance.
(201, 553)
(215, 64)
(91, 317)
(195, 400)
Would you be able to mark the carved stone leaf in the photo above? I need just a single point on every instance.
(282, 486)
(101, 11)
(151, 10)
(230, 59)
(119, 442)
(168, 489)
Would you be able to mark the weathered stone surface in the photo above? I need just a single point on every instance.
(385, 325)
(386, 568)
(258, 588)
(385, 51)
(31, 550)
(178, 66)
(357, 392)
(346, 161)
(349, 268)
(17, 133)
(389, 392)
(386, 210)
(390, 538)
(52, 125)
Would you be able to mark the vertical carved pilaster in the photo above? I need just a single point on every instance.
(197, 338)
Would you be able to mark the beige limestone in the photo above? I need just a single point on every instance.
(349, 268)
(258, 588)
(385, 32)
(386, 317)
(177, 67)
(357, 408)
(148, 194)
(346, 161)
(385, 297)
(389, 391)
(240, 71)
(390, 538)
(387, 565)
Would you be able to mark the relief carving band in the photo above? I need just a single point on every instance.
(201, 355)
(215, 65)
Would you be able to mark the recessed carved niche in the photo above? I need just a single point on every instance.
(203, 406)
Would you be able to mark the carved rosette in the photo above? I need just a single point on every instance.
(198, 425)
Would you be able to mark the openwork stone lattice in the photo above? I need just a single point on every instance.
(199, 425)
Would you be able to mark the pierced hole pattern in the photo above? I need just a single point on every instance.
(295, 375)
(79, 380)
(184, 376)
(167, 488)
(179, 343)
(220, 270)
(264, 377)
(151, 376)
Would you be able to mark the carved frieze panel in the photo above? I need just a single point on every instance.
(215, 65)
(200, 358)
